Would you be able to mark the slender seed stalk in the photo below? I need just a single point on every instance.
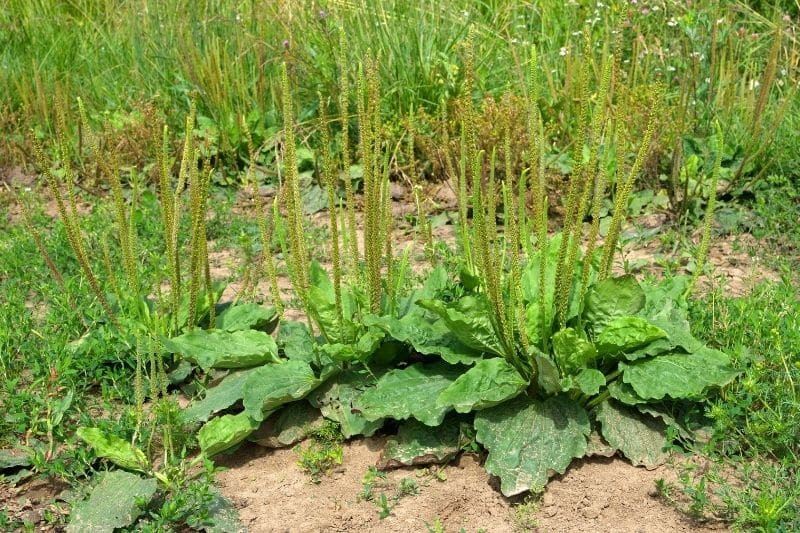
(329, 178)
(68, 212)
(422, 218)
(463, 205)
(27, 220)
(344, 107)
(572, 214)
(767, 78)
(107, 262)
(168, 223)
(374, 184)
(624, 189)
(589, 177)
(539, 193)
(265, 229)
(298, 261)
(195, 247)
(709, 214)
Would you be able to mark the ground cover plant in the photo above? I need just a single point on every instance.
(521, 339)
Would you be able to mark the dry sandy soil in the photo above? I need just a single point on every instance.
(600, 494)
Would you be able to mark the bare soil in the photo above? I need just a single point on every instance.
(600, 494)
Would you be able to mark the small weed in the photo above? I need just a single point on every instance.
(436, 527)
(385, 505)
(323, 452)
(526, 511)
(664, 489)
(408, 487)
(371, 478)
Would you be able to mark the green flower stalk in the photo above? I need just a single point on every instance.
(572, 215)
(374, 182)
(344, 119)
(27, 220)
(586, 188)
(539, 193)
(329, 179)
(168, 223)
(470, 162)
(512, 236)
(625, 187)
(265, 228)
(125, 230)
(422, 218)
(197, 217)
(107, 262)
(298, 260)
(708, 220)
(68, 211)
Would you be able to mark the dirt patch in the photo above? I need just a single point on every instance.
(735, 262)
(610, 495)
(32, 500)
(273, 495)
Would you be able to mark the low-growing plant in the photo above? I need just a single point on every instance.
(323, 452)
(536, 339)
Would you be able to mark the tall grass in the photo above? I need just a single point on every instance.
(717, 61)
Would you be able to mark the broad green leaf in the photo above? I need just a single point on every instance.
(572, 351)
(469, 320)
(224, 349)
(529, 439)
(548, 376)
(534, 320)
(665, 296)
(678, 338)
(296, 341)
(291, 424)
(113, 503)
(223, 514)
(612, 298)
(690, 426)
(418, 444)
(598, 447)
(14, 459)
(409, 392)
(678, 375)
(641, 438)
(624, 393)
(245, 316)
(488, 383)
(120, 452)
(221, 396)
(428, 337)
(337, 398)
(436, 282)
(271, 386)
(361, 350)
(626, 333)
(589, 381)
(322, 301)
(180, 373)
(224, 432)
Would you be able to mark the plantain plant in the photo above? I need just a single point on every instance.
(534, 347)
